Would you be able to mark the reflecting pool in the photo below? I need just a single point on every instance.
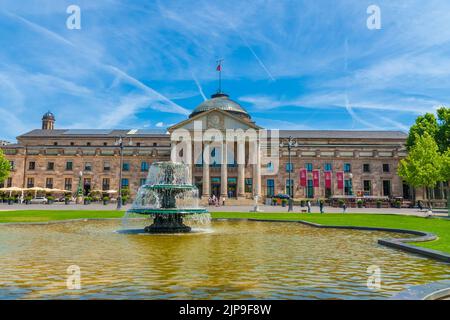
(231, 260)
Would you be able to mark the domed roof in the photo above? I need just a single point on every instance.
(48, 116)
(223, 102)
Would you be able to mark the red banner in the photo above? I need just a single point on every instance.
(340, 179)
(303, 177)
(315, 174)
(328, 179)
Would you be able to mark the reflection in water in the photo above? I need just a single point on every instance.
(237, 260)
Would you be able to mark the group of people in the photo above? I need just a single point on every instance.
(213, 200)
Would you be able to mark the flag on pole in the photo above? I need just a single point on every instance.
(219, 67)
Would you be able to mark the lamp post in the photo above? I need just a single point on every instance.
(351, 184)
(290, 143)
(119, 142)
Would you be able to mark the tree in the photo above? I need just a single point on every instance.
(443, 133)
(424, 124)
(423, 167)
(5, 167)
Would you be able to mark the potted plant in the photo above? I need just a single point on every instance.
(124, 199)
(398, 204)
(341, 203)
(28, 199)
(10, 200)
(274, 201)
(87, 200)
(50, 199)
(284, 202)
(360, 203)
(67, 199)
(302, 203)
(105, 200)
(379, 203)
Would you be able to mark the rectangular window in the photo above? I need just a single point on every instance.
(12, 165)
(126, 166)
(69, 166)
(30, 182)
(328, 167)
(50, 166)
(248, 185)
(290, 187)
(105, 184)
(270, 187)
(366, 167)
(309, 167)
(106, 166)
(328, 193)
(9, 183)
(310, 189)
(68, 184)
(88, 166)
(125, 183)
(386, 167)
(144, 166)
(348, 187)
(367, 187)
(289, 167)
(31, 165)
(49, 183)
(142, 181)
(347, 167)
(387, 188)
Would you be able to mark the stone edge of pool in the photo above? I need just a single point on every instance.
(400, 243)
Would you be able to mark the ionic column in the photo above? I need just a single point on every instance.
(206, 154)
(241, 168)
(224, 172)
(257, 171)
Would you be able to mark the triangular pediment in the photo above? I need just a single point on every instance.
(215, 118)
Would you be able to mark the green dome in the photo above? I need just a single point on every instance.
(223, 102)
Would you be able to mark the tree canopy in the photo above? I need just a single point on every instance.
(5, 167)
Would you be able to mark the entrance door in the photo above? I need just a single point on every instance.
(215, 187)
(231, 189)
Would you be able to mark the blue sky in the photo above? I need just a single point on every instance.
(292, 64)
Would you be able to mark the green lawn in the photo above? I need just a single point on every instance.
(440, 227)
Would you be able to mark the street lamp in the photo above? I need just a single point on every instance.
(119, 142)
(290, 143)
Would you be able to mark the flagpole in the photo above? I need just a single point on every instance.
(219, 68)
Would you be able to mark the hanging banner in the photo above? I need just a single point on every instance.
(303, 177)
(328, 179)
(315, 174)
(340, 179)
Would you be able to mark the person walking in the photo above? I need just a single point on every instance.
(321, 206)
(309, 206)
(344, 208)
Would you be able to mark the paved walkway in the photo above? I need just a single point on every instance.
(264, 208)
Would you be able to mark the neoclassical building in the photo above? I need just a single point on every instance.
(322, 163)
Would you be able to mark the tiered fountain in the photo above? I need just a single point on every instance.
(168, 196)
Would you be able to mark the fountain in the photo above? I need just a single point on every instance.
(168, 197)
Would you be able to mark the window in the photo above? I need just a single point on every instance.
(289, 167)
(328, 193)
(366, 167)
(155, 144)
(125, 182)
(347, 167)
(270, 187)
(88, 144)
(106, 166)
(386, 167)
(9, 183)
(328, 167)
(142, 181)
(348, 187)
(105, 184)
(126, 166)
(72, 143)
(105, 144)
(387, 188)
(309, 167)
(310, 189)
(50, 166)
(55, 143)
(49, 183)
(31, 165)
(367, 187)
(88, 166)
(12, 165)
(69, 165)
(290, 187)
(144, 166)
(138, 144)
(30, 182)
(68, 184)
(248, 185)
